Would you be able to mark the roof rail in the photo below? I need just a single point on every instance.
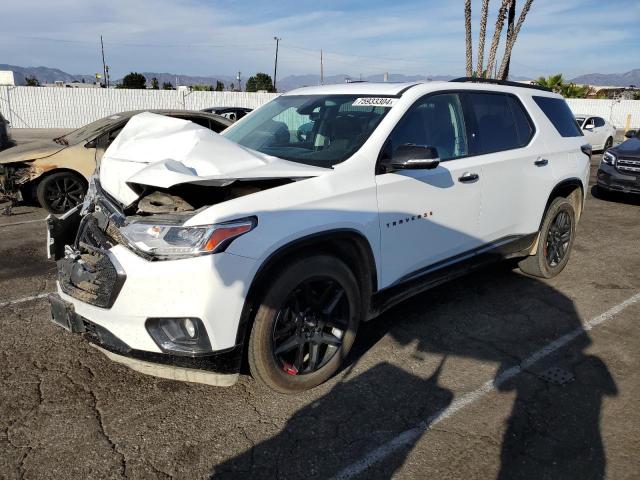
(499, 82)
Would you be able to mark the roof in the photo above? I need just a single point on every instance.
(356, 88)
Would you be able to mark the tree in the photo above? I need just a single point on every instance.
(557, 84)
(507, 11)
(232, 87)
(134, 80)
(552, 82)
(260, 81)
(468, 40)
(511, 39)
(154, 84)
(483, 33)
(219, 86)
(493, 50)
(31, 81)
(571, 90)
(167, 86)
(201, 88)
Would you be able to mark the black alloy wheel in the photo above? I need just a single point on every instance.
(310, 325)
(305, 323)
(61, 192)
(558, 239)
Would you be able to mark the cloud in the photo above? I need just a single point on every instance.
(224, 36)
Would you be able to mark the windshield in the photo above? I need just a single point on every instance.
(310, 129)
(91, 130)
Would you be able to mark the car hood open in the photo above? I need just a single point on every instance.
(159, 151)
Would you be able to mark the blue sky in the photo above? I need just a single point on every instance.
(201, 37)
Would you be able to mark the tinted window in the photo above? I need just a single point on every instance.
(435, 121)
(558, 112)
(599, 122)
(500, 122)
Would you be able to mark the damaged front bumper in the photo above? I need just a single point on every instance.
(108, 294)
(13, 179)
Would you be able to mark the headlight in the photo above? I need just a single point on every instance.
(175, 241)
(608, 158)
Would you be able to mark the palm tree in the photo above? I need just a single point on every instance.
(467, 27)
(483, 34)
(493, 50)
(571, 90)
(553, 82)
(511, 39)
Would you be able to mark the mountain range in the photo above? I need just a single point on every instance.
(49, 75)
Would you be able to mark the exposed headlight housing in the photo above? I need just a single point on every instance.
(168, 242)
(608, 158)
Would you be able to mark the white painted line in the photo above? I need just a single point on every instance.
(22, 223)
(409, 437)
(23, 299)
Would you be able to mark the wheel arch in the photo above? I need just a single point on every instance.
(573, 190)
(349, 245)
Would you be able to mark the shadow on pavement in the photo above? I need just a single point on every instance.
(496, 316)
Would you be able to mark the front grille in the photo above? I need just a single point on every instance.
(89, 273)
(628, 165)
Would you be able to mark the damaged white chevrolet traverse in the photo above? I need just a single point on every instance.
(270, 243)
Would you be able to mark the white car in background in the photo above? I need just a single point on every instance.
(598, 132)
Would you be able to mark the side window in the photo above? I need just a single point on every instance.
(500, 123)
(559, 114)
(435, 121)
(599, 122)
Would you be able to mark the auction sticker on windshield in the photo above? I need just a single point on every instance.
(374, 102)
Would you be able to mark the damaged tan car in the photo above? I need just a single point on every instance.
(55, 172)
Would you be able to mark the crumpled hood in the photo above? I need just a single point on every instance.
(161, 151)
(30, 151)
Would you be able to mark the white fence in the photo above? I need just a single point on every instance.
(32, 107)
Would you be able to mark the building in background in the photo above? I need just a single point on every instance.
(6, 78)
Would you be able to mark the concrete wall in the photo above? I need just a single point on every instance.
(33, 107)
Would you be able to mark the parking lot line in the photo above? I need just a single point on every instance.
(22, 223)
(409, 437)
(23, 299)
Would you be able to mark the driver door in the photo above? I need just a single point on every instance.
(427, 217)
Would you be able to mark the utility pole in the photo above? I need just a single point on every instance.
(104, 65)
(239, 84)
(321, 69)
(275, 66)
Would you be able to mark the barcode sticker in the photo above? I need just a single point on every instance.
(374, 102)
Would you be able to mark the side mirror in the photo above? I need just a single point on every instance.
(414, 157)
(589, 126)
(630, 133)
(91, 144)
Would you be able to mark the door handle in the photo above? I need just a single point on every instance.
(468, 177)
(541, 162)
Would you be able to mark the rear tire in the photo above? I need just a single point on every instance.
(554, 242)
(60, 192)
(305, 325)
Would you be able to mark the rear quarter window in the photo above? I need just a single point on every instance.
(559, 114)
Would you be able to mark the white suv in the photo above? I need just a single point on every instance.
(271, 242)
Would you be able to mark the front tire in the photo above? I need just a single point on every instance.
(555, 241)
(608, 144)
(60, 192)
(305, 325)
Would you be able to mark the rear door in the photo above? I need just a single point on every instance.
(515, 169)
(428, 216)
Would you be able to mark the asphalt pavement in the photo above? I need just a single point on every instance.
(495, 375)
